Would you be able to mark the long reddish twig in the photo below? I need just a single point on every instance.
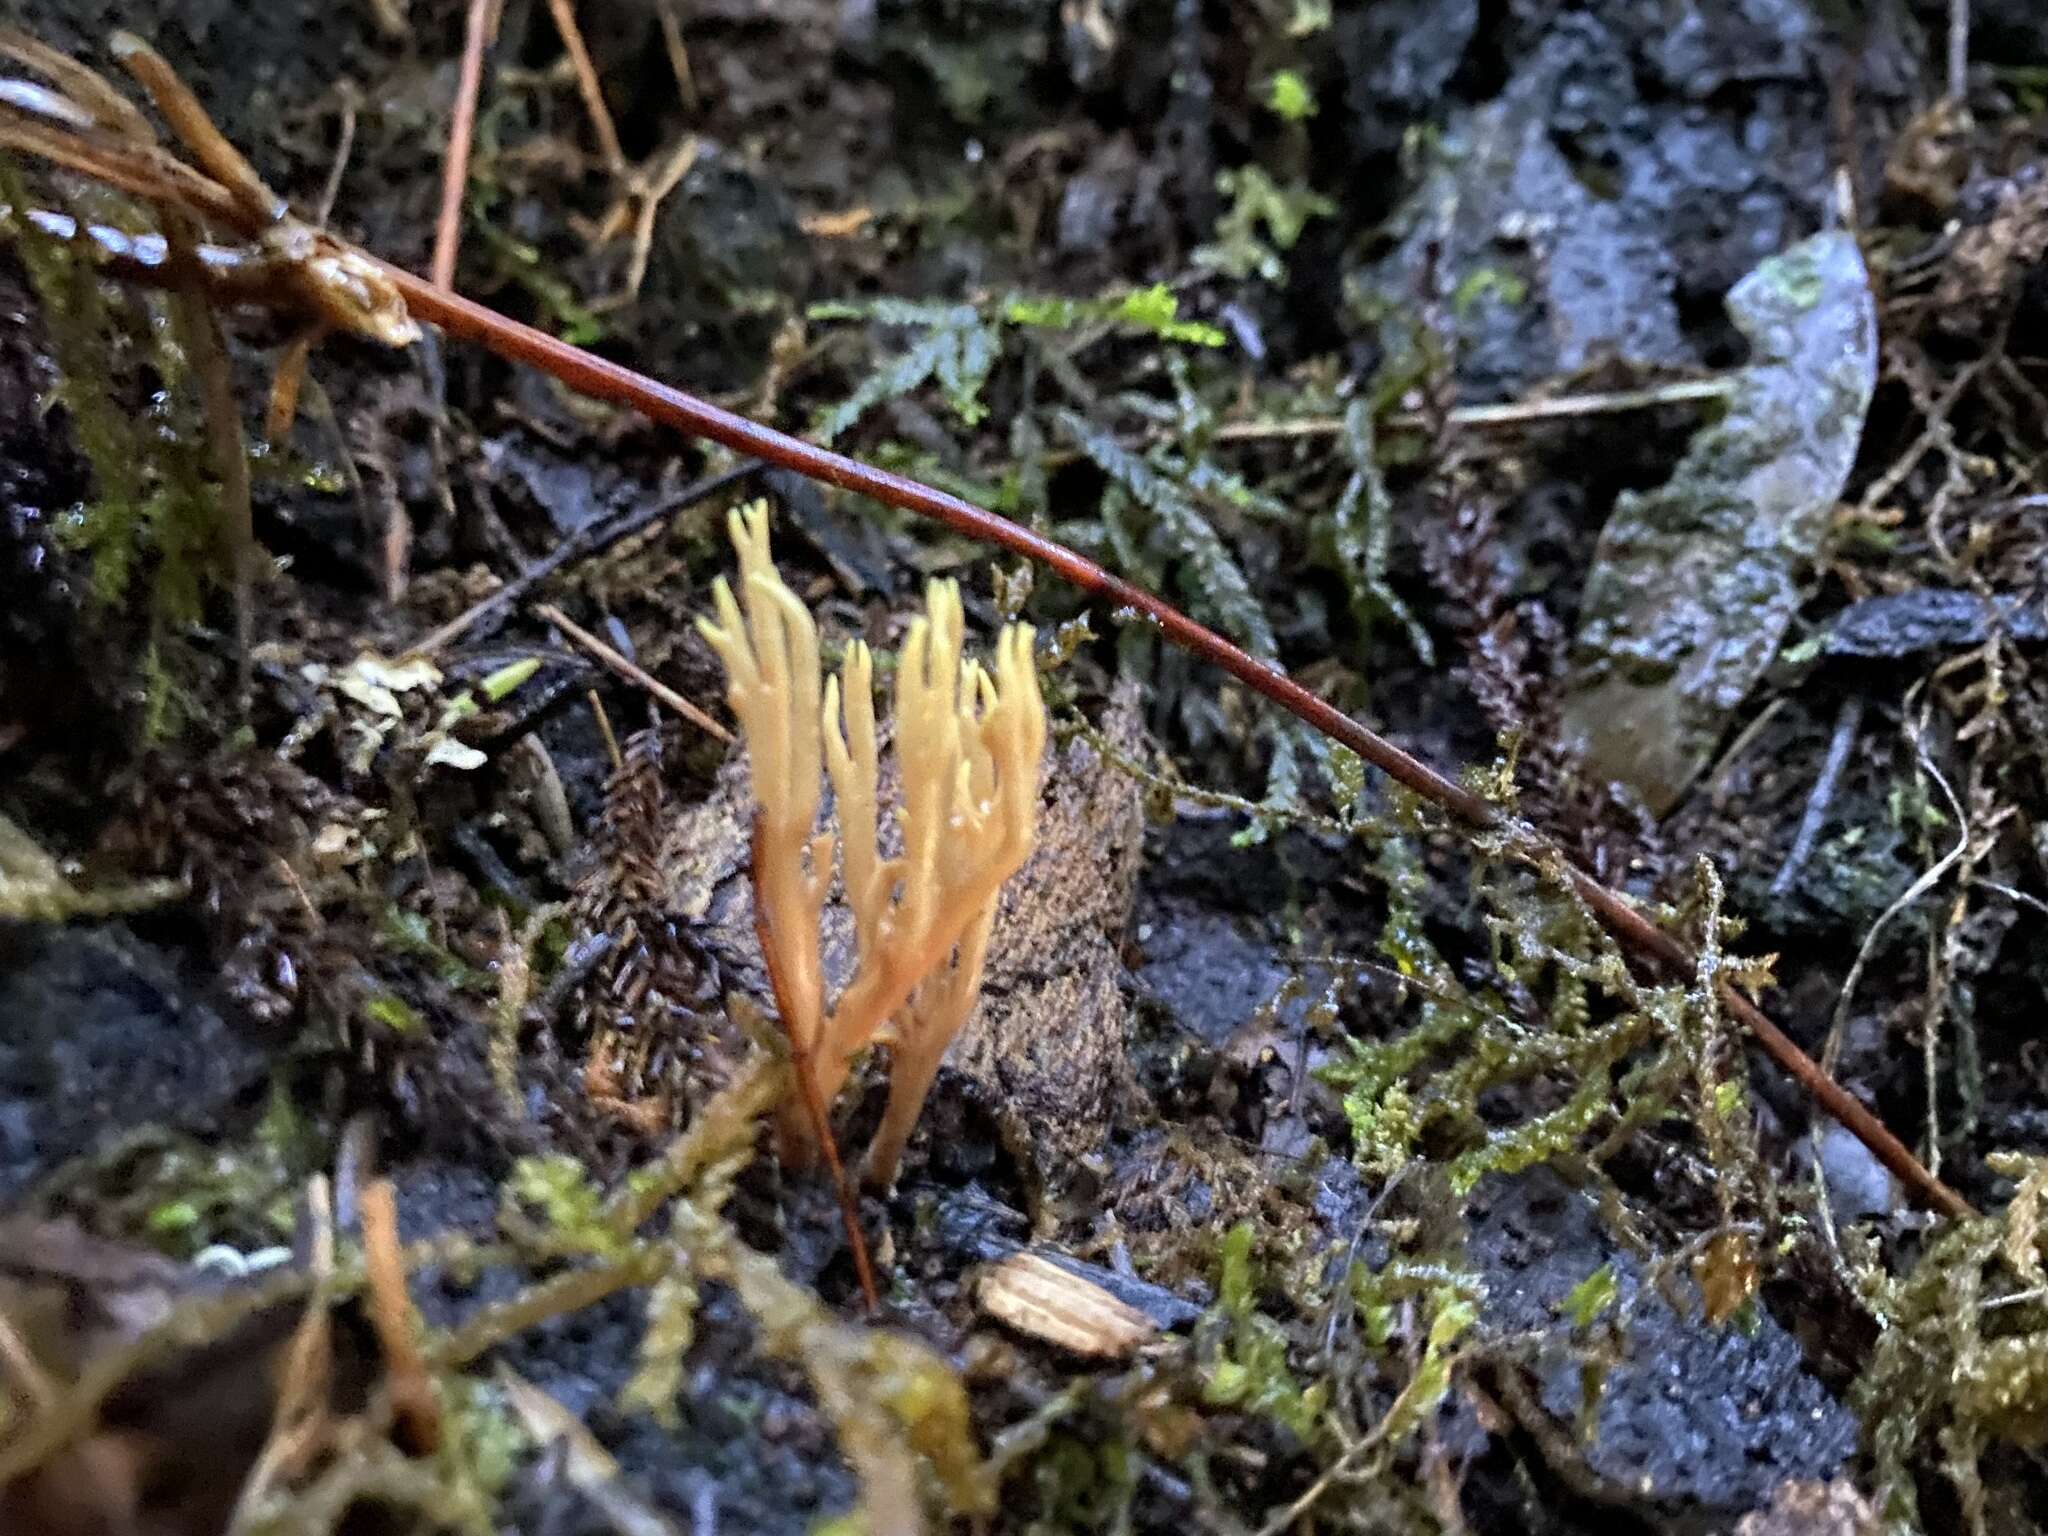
(159, 177)
(461, 130)
(603, 379)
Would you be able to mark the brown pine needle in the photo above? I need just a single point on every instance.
(631, 671)
(588, 85)
(461, 130)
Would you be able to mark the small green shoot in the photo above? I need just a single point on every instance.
(1289, 96)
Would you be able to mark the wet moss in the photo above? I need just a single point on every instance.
(1961, 1365)
(1246, 1354)
(154, 530)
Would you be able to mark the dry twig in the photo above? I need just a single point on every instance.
(591, 539)
(461, 131)
(588, 85)
(631, 671)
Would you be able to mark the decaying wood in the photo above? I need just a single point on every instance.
(1038, 1298)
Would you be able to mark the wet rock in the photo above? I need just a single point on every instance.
(1695, 583)
(1216, 949)
(1207, 971)
(1705, 48)
(1634, 163)
(570, 491)
(1695, 1418)
(1859, 1186)
(720, 1462)
(745, 1454)
(1928, 620)
(1554, 276)
(102, 1037)
(1396, 61)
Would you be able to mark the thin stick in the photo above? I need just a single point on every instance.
(564, 12)
(678, 54)
(631, 671)
(19, 1361)
(591, 539)
(324, 209)
(605, 380)
(1512, 413)
(1847, 720)
(1502, 416)
(461, 129)
(298, 1420)
(604, 729)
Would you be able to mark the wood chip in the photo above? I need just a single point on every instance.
(839, 225)
(1041, 1300)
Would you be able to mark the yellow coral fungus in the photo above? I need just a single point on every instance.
(968, 744)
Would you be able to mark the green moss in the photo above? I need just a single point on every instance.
(1261, 224)
(572, 1215)
(1083, 1485)
(1585, 1302)
(409, 933)
(389, 1011)
(184, 1195)
(951, 345)
(1588, 1049)
(1245, 1357)
(1289, 96)
(1488, 282)
(1153, 311)
(483, 1439)
(155, 513)
(1962, 1361)
(671, 1329)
